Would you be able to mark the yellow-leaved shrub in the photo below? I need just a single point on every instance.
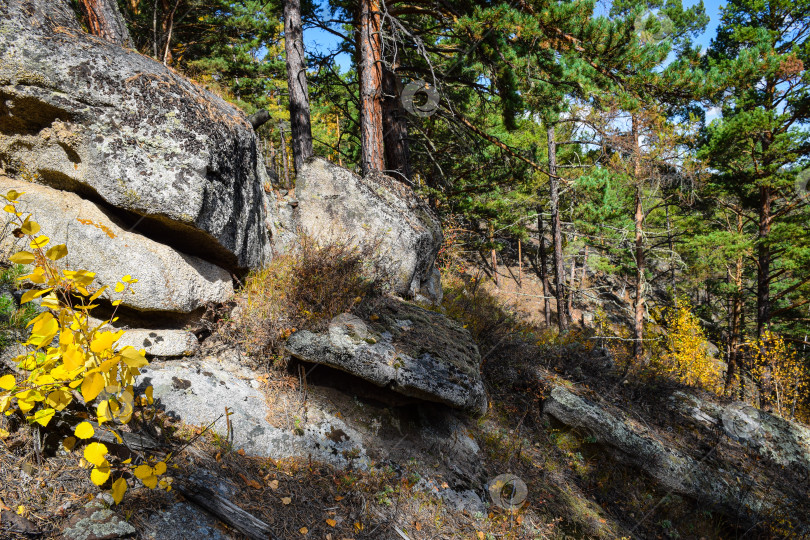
(686, 355)
(70, 358)
(782, 378)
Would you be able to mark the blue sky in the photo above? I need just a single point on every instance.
(319, 40)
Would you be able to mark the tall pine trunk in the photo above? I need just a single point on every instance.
(556, 230)
(544, 268)
(638, 220)
(764, 261)
(297, 84)
(734, 327)
(638, 303)
(105, 20)
(369, 47)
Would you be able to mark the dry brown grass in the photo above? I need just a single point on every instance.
(302, 290)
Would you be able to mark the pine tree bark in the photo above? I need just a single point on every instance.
(105, 20)
(300, 127)
(638, 219)
(369, 48)
(543, 267)
(638, 303)
(493, 255)
(572, 283)
(764, 261)
(395, 128)
(734, 327)
(556, 231)
(287, 184)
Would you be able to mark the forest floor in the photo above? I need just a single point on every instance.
(574, 488)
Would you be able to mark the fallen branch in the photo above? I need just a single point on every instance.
(133, 441)
(224, 510)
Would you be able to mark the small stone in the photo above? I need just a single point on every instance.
(96, 522)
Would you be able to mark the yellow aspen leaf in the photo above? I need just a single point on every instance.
(358, 526)
(83, 277)
(84, 430)
(103, 412)
(5, 403)
(149, 390)
(119, 287)
(44, 329)
(303, 530)
(100, 473)
(94, 453)
(73, 357)
(33, 293)
(50, 301)
(108, 367)
(13, 195)
(37, 276)
(59, 398)
(98, 293)
(104, 341)
(69, 443)
(92, 385)
(160, 468)
(127, 278)
(30, 228)
(146, 475)
(42, 380)
(40, 319)
(7, 382)
(22, 257)
(43, 416)
(40, 242)
(331, 522)
(3, 433)
(286, 500)
(119, 487)
(56, 252)
(132, 357)
(25, 405)
(116, 302)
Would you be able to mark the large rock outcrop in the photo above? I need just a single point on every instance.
(403, 348)
(735, 489)
(167, 279)
(80, 114)
(375, 212)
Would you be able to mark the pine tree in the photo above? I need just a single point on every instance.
(762, 144)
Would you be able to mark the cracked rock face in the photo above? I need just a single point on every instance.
(727, 487)
(376, 212)
(404, 348)
(80, 114)
(167, 280)
(198, 390)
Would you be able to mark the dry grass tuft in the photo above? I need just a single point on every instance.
(302, 290)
